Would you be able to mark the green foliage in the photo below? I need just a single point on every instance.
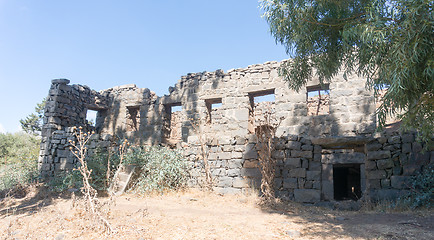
(97, 163)
(32, 124)
(162, 169)
(18, 147)
(390, 42)
(422, 190)
(18, 160)
(19, 174)
(65, 180)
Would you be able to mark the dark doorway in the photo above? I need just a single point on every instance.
(346, 182)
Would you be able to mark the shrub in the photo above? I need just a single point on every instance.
(18, 174)
(162, 169)
(18, 147)
(421, 190)
(18, 155)
(97, 163)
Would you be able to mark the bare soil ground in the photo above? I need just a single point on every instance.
(199, 215)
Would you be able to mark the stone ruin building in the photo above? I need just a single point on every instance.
(327, 148)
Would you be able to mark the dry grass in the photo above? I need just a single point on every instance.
(203, 215)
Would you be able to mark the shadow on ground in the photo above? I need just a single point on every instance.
(324, 223)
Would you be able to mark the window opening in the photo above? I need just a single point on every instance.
(172, 122)
(133, 118)
(318, 100)
(212, 106)
(91, 117)
(261, 103)
(346, 182)
(176, 108)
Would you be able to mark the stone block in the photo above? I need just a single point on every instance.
(313, 175)
(307, 147)
(307, 195)
(397, 170)
(305, 163)
(293, 162)
(406, 147)
(235, 163)
(370, 165)
(290, 183)
(251, 172)
(378, 155)
(373, 146)
(297, 172)
(293, 145)
(233, 172)
(314, 166)
(251, 164)
(278, 154)
(384, 163)
(374, 183)
(224, 182)
(236, 155)
(250, 152)
(376, 174)
(305, 154)
(400, 182)
(277, 183)
(407, 138)
(224, 155)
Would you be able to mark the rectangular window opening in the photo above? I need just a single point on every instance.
(133, 118)
(212, 106)
(261, 104)
(318, 100)
(347, 182)
(91, 117)
(172, 122)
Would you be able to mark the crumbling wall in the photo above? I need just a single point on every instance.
(309, 145)
(66, 106)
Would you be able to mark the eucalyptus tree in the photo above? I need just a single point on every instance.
(388, 42)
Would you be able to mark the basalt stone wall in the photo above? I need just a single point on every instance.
(221, 111)
(305, 166)
(66, 106)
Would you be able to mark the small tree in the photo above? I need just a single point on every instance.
(32, 124)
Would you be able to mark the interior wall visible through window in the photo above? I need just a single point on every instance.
(318, 100)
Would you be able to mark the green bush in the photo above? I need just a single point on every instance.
(162, 169)
(18, 160)
(17, 175)
(18, 147)
(97, 163)
(422, 190)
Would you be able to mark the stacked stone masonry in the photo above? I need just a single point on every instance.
(335, 154)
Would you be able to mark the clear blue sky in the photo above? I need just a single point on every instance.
(105, 43)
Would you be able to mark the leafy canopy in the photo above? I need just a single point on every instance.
(390, 42)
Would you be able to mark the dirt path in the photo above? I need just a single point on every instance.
(197, 215)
